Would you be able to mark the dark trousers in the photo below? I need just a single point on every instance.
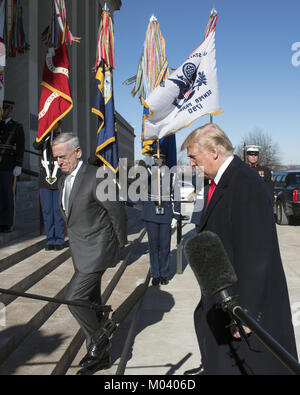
(7, 198)
(86, 287)
(159, 239)
(53, 221)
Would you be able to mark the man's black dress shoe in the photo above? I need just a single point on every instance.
(49, 247)
(92, 365)
(195, 371)
(164, 281)
(155, 281)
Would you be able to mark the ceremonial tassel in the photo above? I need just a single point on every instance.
(105, 41)
(211, 23)
(15, 35)
(153, 66)
(58, 32)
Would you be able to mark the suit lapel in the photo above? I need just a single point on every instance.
(219, 191)
(78, 179)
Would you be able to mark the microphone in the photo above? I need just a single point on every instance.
(210, 263)
(214, 273)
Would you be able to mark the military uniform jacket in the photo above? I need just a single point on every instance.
(171, 208)
(240, 213)
(265, 173)
(12, 145)
(96, 229)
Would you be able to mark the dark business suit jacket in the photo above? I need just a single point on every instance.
(96, 229)
(240, 213)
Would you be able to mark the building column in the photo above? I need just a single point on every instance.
(33, 83)
(74, 50)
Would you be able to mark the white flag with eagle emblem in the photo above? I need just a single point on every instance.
(189, 93)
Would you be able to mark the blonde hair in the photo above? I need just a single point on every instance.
(208, 137)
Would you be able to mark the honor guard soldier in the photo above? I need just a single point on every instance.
(49, 175)
(264, 172)
(12, 145)
(160, 216)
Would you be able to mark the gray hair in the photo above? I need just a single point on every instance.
(69, 138)
(208, 137)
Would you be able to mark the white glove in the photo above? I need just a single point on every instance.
(17, 171)
(173, 223)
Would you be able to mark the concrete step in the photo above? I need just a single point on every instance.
(14, 252)
(25, 316)
(23, 275)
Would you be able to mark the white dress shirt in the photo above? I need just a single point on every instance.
(222, 169)
(72, 176)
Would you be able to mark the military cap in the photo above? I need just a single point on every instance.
(161, 155)
(252, 149)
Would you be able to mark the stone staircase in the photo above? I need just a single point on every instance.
(40, 337)
(27, 217)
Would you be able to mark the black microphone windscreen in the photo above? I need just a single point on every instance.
(210, 263)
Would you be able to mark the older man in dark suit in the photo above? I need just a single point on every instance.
(239, 210)
(96, 230)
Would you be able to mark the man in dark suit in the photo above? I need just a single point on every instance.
(96, 230)
(239, 210)
(12, 146)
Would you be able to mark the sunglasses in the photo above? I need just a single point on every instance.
(252, 153)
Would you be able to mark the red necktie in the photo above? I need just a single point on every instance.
(211, 190)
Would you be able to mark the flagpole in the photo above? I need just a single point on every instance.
(158, 174)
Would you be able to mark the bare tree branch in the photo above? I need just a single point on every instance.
(269, 150)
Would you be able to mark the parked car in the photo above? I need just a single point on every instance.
(286, 195)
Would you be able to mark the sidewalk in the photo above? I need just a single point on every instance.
(164, 338)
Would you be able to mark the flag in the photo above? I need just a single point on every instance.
(167, 145)
(56, 99)
(107, 145)
(189, 93)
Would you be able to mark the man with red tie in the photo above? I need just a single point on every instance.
(239, 210)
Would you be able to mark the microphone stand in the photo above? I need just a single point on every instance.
(89, 306)
(230, 306)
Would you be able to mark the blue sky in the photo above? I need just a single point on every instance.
(258, 83)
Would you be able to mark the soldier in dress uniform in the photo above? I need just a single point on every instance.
(12, 146)
(252, 152)
(49, 175)
(160, 218)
